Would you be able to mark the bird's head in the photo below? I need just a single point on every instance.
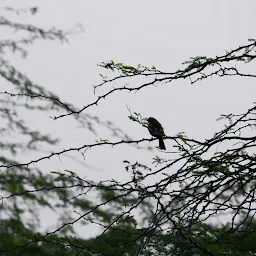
(150, 119)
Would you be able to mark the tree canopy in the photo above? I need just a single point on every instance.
(172, 207)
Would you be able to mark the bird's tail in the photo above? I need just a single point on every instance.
(161, 144)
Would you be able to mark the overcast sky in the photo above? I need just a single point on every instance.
(159, 33)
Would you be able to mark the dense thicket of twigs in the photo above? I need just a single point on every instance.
(201, 181)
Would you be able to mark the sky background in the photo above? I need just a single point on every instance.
(159, 33)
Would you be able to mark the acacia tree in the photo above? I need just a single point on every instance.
(172, 216)
(26, 190)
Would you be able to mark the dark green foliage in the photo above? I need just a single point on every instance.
(167, 208)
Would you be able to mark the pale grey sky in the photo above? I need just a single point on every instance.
(159, 33)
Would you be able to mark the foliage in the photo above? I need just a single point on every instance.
(173, 215)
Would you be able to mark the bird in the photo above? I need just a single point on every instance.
(156, 130)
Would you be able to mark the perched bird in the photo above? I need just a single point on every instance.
(156, 130)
